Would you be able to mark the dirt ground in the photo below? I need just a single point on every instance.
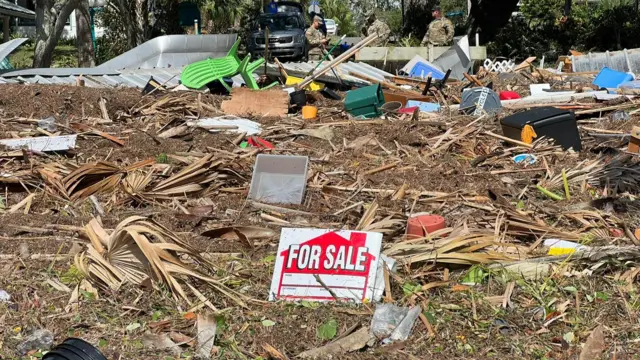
(545, 317)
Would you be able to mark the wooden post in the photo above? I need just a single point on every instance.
(5, 29)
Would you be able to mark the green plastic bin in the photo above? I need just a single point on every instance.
(365, 101)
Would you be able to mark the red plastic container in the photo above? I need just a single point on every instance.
(418, 223)
(408, 110)
(509, 95)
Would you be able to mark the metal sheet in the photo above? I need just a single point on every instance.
(171, 51)
(624, 60)
(344, 69)
(8, 47)
(11, 9)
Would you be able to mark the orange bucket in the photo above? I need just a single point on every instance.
(418, 223)
(309, 112)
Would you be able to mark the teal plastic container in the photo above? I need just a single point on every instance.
(365, 101)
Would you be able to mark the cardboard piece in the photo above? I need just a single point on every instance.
(346, 262)
(634, 141)
(247, 102)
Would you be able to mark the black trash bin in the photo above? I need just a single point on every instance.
(559, 125)
(74, 349)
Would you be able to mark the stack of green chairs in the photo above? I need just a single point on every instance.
(200, 73)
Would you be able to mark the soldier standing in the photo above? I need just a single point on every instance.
(440, 32)
(315, 40)
(379, 27)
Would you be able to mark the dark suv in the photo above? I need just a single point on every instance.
(286, 32)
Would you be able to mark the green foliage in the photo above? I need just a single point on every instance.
(409, 41)
(393, 18)
(543, 30)
(113, 42)
(339, 11)
(224, 15)
(162, 159)
(453, 6)
(72, 276)
(328, 330)
(63, 56)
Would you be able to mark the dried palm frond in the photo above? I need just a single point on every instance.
(467, 247)
(139, 250)
(81, 182)
(390, 224)
(190, 180)
(621, 172)
(135, 183)
(520, 225)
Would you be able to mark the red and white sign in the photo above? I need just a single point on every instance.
(345, 261)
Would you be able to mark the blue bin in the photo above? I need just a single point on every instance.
(424, 106)
(611, 79)
(422, 70)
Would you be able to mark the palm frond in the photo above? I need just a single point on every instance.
(140, 249)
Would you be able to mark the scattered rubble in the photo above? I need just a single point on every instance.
(423, 197)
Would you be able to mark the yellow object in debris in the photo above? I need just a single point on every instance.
(528, 134)
(314, 86)
(560, 251)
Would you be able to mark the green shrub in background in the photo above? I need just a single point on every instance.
(542, 29)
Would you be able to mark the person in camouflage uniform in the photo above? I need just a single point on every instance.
(440, 32)
(315, 40)
(379, 27)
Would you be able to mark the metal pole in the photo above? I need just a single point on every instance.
(92, 14)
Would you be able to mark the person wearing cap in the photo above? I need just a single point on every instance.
(323, 26)
(440, 32)
(376, 26)
(315, 40)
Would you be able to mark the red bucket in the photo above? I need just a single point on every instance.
(419, 223)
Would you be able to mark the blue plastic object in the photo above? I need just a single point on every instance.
(424, 106)
(635, 84)
(422, 70)
(611, 79)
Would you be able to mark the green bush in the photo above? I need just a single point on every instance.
(542, 29)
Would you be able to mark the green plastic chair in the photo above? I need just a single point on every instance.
(200, 73)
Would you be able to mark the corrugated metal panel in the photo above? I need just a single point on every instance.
(138, 78)
(11, 9)
(173, 51)
(128, 78)
(8, 47)
(624, 60)
(344, 70)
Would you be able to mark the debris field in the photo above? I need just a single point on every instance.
(165, 201)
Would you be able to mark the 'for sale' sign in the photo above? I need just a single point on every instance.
(345, 262)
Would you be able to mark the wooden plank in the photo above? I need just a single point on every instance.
(473, 79)
(634, 142)
(525, 64)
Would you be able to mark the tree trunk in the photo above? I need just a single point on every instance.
(136, 20)
(142, 21)
(567, 7)
(84, 41)
(51, 16)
